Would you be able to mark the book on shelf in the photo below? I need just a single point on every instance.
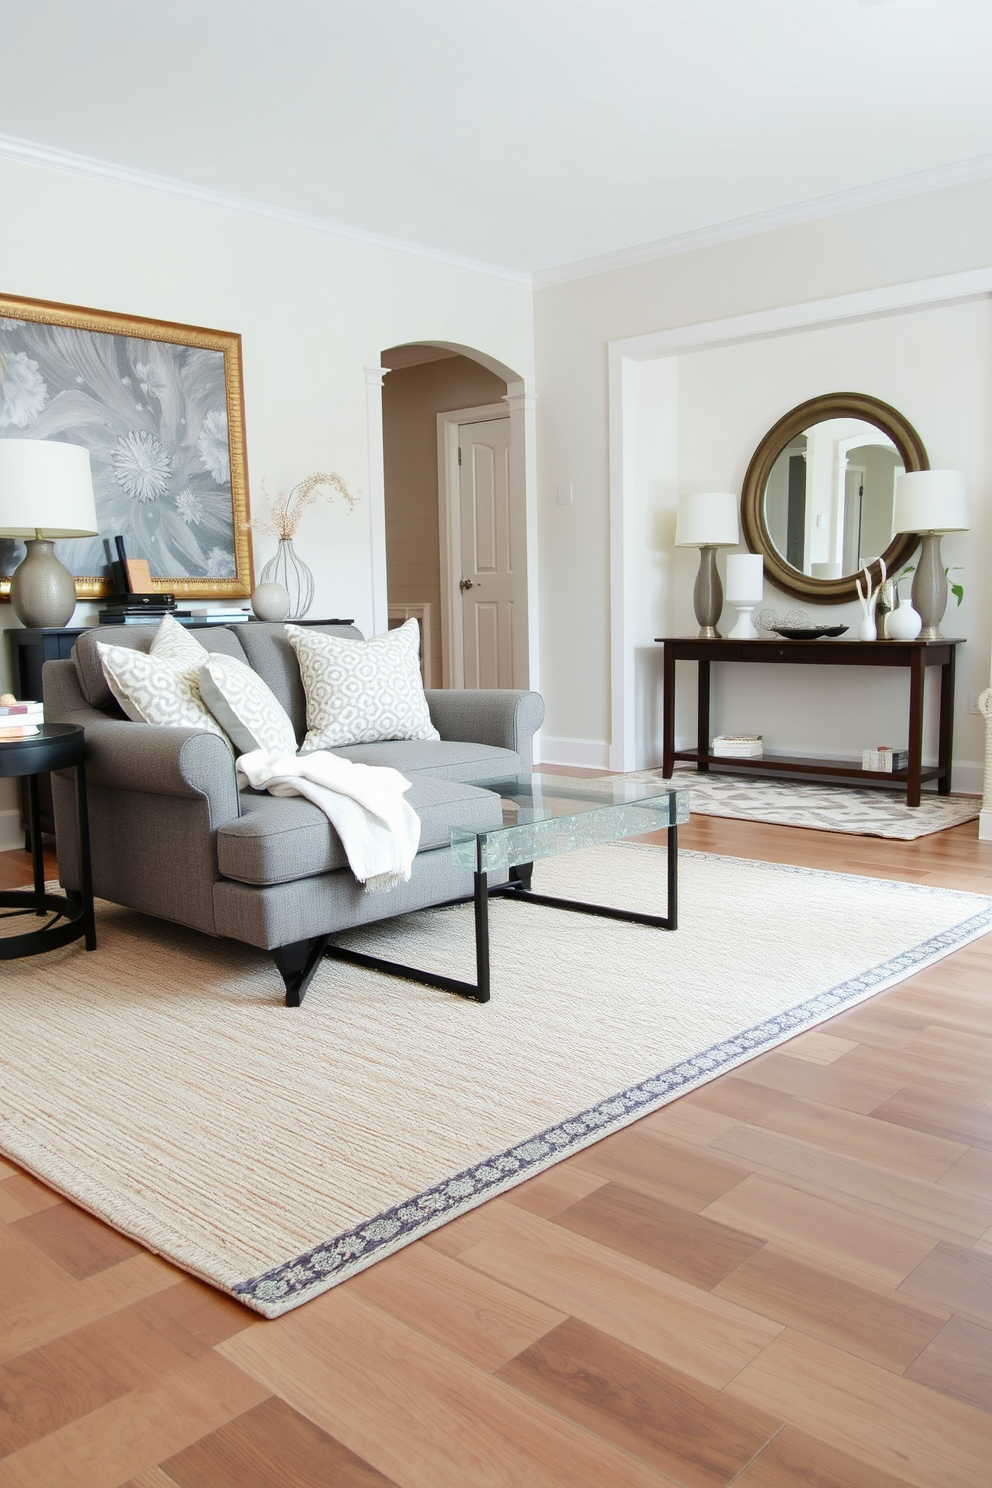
(227, 617)
(125, 603)
(145, 617)
(885, 759)
(21, 713)
(737, 746)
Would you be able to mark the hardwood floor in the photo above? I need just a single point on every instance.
(782, 1279)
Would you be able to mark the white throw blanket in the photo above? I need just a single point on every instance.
(364, 804)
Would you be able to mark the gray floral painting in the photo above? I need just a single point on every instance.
(153, 415)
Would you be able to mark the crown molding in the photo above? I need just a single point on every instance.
(879, 192)
(26, 152)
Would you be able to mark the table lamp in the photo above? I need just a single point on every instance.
(707, 520)
(930, 502)
(745, 586)
(46, 491)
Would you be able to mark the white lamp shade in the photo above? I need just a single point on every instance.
(745, 578)
(707, 519)
(931, 501)
(45, 487)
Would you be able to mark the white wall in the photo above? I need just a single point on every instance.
(934, 366)
(312, 314)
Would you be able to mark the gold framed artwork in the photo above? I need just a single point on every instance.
(160, 408)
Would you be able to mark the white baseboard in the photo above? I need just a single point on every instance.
(985, 825)
(589, 754)
(11, 834)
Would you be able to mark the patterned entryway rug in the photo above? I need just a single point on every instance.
(161, 1083)
(830, 808)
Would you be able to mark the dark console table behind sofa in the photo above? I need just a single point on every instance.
(916, 656)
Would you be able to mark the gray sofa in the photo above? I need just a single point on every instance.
(172, 836)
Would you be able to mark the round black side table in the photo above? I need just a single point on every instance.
(58, 746)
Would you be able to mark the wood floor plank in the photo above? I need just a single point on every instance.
(153, 1478)
(736, 1095)
(476, 1317)
(694, 1433)
(641, 1158)
(955, 1278)
(831, 1085)
(958, 1362)
(673, 1321)
(913, 1203)
(76, 1241)
(554, 1190)
(272, 1444)
(859, 1246)
(683, 1121)
(865, 1137)
(29, 1193)
(793, 1459)
(681, 1243)
(885, 1329)
(135, 1431)
(972, 1173)
(64, 1306)
(877, 1023)
(961, 1078)
(206, 1314)
(424, 1419)
(818, 1048)
(887, 1421)
(942, 1113)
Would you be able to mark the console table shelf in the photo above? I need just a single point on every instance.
(914, 656)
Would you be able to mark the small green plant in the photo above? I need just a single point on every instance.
(956, 589)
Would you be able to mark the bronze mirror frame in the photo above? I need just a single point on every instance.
(756, 534)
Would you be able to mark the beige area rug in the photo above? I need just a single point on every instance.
(161, 1083)
(829, 808)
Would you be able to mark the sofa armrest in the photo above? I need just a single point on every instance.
(503, 718)
(146, 757)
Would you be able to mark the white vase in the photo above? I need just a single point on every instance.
(867, 630)
(903, 623)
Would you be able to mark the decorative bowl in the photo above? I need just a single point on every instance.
(808, 633)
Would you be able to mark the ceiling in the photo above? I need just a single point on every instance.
(521, 134)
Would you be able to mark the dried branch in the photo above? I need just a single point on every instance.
(288, 510)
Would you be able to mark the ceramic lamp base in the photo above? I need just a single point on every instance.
(42, 590)
(744, 626)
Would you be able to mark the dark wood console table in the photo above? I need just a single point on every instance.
(916, 656)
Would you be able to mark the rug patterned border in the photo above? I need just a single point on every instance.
(297, 1281)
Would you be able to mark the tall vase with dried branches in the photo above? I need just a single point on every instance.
(286, 567)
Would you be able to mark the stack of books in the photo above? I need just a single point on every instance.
(230, 615)
(737, 746)
(885, 759)
(21, 720)
(131, 609)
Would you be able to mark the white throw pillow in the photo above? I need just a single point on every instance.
(361, 692)
(245, 707)
(160, 686)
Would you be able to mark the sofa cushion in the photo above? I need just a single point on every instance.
(246, 709)
(442, 759)
(281, 838)
(161, 685)
(274, 659)
(92, 682)
(360, 692)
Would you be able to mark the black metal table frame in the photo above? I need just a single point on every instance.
(518, 885)
(57, 747)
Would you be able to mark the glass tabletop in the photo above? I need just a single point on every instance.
(548, 814)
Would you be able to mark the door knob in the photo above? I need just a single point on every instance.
(466, 584)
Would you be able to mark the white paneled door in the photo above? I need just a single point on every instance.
(492, 578)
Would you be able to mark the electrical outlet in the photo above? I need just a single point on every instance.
(565, 495)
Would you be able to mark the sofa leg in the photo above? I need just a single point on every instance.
(297, 964)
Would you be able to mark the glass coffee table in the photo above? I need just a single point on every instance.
(542, 817)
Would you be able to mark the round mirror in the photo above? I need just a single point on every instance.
(819, 495)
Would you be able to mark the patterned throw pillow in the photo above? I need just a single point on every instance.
(160, 686)
(244, 706)
(361, 692)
